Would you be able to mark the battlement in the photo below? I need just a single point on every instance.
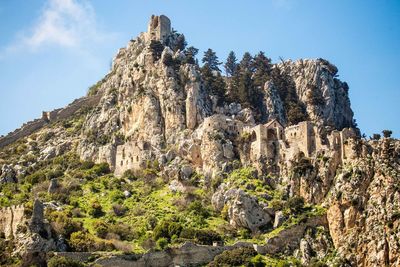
(47, 117)
(159, 28)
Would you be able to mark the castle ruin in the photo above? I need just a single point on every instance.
(159, 28)
(272, 140)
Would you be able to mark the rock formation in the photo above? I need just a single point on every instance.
(154, 116)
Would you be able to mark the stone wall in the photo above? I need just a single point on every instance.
(159, 28)
(25, 130)
(132, 155)
(10, 218)
(47, 117)
(190, 254)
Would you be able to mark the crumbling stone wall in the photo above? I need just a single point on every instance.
(10, 218)
(47, 117)
(159, 28)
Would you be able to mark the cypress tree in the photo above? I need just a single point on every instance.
(210, 60)
(231, 64)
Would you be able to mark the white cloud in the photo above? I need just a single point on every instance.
(65, 23)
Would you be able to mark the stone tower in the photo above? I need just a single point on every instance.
(159, 28)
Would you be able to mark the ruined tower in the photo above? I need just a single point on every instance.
(159, 28)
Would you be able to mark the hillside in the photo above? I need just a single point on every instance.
(166, 162)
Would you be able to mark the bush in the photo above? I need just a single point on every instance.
(101, 169)
(198, 209)
(387, 133)
(156, 49)
(167, 229)
(128, 174)
(235, 257)
(119, 210)
(101, 229)
(86, 165)
(62, 223)
(58, 261)
(81, 241)
(257, 261)
(123, 231)
(162, 243)
(203, 236)
(168, 60)
(96, 210)
(295, 203)
(36, 177)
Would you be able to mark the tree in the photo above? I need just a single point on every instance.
(231, 64)
(376, 137)
(387, 133)
(246, 64)
(191, 53)
(214, 82)
(262, 68)
(245, 87)
(180, 43)
(211, 75)
(156, 49)
(210, 60)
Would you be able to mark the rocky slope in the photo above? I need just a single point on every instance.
(158, 152)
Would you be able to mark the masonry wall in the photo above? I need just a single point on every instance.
(10, 218)
(32, 126)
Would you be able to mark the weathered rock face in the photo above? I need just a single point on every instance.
(363, 212)
(317, 88)
(145, 104)
(243, 209)
(154, 107)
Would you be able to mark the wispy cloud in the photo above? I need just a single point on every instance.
(65, 23)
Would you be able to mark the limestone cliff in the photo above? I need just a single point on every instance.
(296, 181)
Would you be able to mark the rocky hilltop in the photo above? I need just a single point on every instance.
(176, 164)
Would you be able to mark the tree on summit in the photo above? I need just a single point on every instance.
(262, 68)
(211, 61)
(211, 75)
(231, 64)
(190, 54)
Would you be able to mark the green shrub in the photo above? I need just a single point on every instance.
(62, 223)
(167, 229)
(162, 243)
(128, 174)
(202, 236)
(101, 229)
(119, 210)
(257, 261)
(95, 209)
(81, 241)
(198, 209)
(101, 169)
(295, 203)
(86, 165)
(58, 261)
(124, 231)
(36, 177)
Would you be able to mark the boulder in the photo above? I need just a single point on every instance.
(243, 209)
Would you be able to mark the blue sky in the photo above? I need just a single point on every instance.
(51, 51)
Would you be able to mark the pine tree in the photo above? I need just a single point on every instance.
(246, 64)
(210, 60)
(262, 69)
(231, 64)
(213, 82)
(191, 53)
(180, 43)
